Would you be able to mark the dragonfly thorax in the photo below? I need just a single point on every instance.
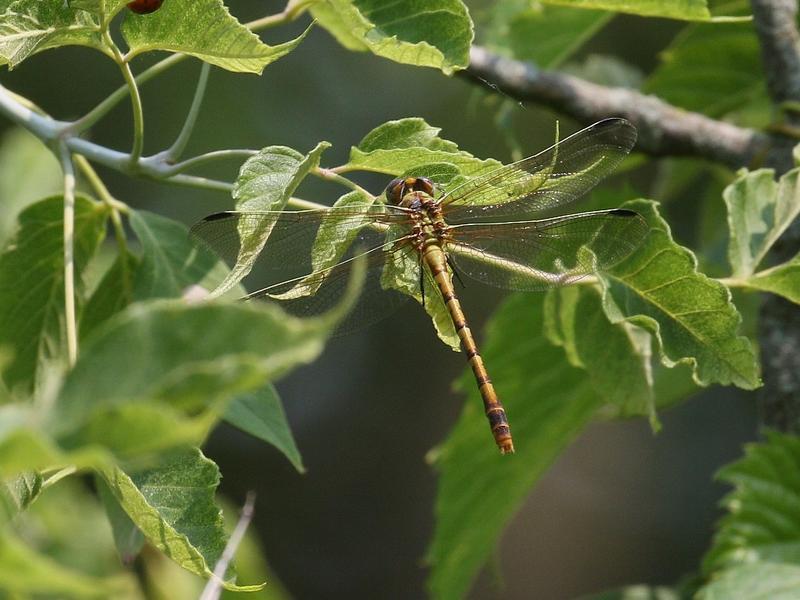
(399, 188)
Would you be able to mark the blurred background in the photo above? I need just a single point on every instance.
(622, 505)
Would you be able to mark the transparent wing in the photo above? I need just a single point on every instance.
(539, 255)
(286, 270)
(553, 178)
(290, 235)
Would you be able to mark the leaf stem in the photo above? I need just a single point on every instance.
(208, 157)
(69, 255)
(115, 206)
(177, 148)
(332, 175)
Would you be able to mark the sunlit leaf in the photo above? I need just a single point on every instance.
(759, 211)
(548, 403)
(783, 279)
(401, 146)
(265, 183)
(30, 26)
(436, 33)
(690, 316)
(17, 493)
(32, 282)
(260, 413)
(204, 29)
(767, 581)
(173, 506)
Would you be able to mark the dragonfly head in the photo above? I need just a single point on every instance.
(398, 188)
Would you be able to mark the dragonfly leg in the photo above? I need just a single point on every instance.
(422, 279)
(456, 273)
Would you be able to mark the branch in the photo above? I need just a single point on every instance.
(779, 326)
(664, 130)
(774, 21)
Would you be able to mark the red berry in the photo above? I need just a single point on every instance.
(145, 7)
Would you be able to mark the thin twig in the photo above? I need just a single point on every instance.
(69, 255)
(215, 155)
(177, 148)
(214, 586)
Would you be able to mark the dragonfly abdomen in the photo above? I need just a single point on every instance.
(498, 421)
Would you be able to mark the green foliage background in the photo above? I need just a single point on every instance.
(368, 410)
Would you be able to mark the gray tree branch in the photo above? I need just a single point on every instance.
(779, 326)
(664, 130)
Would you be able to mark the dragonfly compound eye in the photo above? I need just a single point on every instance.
(396, 190)
(423, 184)
(145, 7)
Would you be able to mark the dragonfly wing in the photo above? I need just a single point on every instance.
(548, 253)
(319, 291)
(545, 181)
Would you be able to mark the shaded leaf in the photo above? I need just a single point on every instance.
(203, 29)
(763, 523)
(690, 10)
(173, 506)
(690, 316)
(615, 356)
(28, 172)
(17, 493)
(435, 33)
(170, 260)
(32, 282)
(730, 51)
(26, 571)
(548, 402)
(113, 293)
(759, 211)
(128, 538)
(260, 413)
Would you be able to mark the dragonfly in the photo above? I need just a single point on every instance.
(500, 228)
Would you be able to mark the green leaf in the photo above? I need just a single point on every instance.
(169, 356)
(265, 183)
(730, 51)
(763, 523)
(27, 572)
(260, 413)
(548, 402)
(17, 493)
(783, 279)
(615, 356)
(128, 538)
(31, 26)
(759, 211)
(761, 581)
(638, 592)
(32, 282)
(173, 505)
(689, 10)
(401, 146)
(548, 35)
(113, 293)
(435, 33)
(690, 316)
(28, 172)
(170, 260)
(203, 29)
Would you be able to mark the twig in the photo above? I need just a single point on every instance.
(664, 130)
(177, 148)
(214, 586)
